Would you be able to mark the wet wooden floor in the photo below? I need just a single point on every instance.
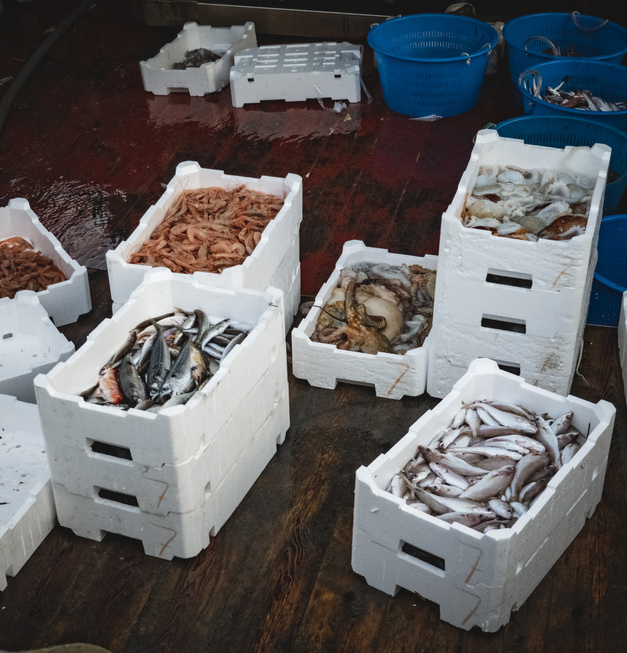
(91, 150)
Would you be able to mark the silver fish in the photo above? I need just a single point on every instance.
(525, 468)
(491, 485)
(501, 508)
(561, 424)
(452, 462)
(568, 452)
(519, 440)
(530, 491)
(443, 490)
(506, 418)
(546, 436)
(448, 504)
(470, 519)
(488, 451)
(131, 382)
(160, 363)
(448, 476)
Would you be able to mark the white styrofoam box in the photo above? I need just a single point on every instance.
(30, 344)
(160, 78)
(27, 511)
(67, 300)
(182, 535)
(476, 578)
(323, 365)
(278, 239)
(297, 72)
(622, 339)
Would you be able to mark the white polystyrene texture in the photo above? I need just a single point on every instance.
(297, 72)
(622, 339)
(27, 511)
(323, 365)
(274, 260)
(160, 78)
(30, 344)
(540, 327)
(67, 300)
(486, 575)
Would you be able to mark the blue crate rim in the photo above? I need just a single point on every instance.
(428, 60)
(599, 277)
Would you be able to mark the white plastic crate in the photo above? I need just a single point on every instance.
(323, 365)
(477, 579)
(30, 344)
(622, 340)
(64, 301)
(27, 511)
(266, 265)
(521, 303)
(297, 72)
(160, 78)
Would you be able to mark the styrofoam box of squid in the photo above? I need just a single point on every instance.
(279, 240)
(323, 365)
(30, 344)
(27, 511)
(160, 78)
(67, 300)
(622, 339)
(476, 578)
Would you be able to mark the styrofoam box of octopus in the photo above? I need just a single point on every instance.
(279, 241)
(478, 579)
(27, 510)
(622, 339)
(30, 344)
(160, 78)
(67, 300)
(323, 365)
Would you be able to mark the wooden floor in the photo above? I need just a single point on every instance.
(91, 150)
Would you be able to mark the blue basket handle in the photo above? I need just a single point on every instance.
(555, 48)
(610, 284)
(575, 16)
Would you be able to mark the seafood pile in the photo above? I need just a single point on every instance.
(24, 268)
(529, 204)
(209, 229)
(378, 308)
(489, 465)
(165, 361)
(196, 58)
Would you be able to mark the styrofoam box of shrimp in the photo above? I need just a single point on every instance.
(622, 339)
(30, 344)
(279, 240)
(323, 365)
(67, 300)
(478, 579)
(27, 511)
(160, 78)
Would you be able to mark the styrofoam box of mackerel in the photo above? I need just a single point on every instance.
(297, 72)
(622, 340)
(323, 365)
(67, 300)
(258, 270)
(160, 78)
(27, 511)
(478, 579)
(30, 344)
(522, 303)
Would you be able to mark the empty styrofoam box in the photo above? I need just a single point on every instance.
(27, 511)
(297, 72)
(478, 579)
(30, 344)
(622, 340)
(279, 239)
(160, 78)
(323, 365)
(67, 300)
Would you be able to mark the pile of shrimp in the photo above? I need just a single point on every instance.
(24, 268)
(209, 229)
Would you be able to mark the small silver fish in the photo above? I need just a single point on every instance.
(491, 485)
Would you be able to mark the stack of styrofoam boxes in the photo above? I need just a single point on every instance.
(297, 72)
(520, 303)
(476, 578)
(275, 261)
(323, 365)
(161, 79)
(170, 479)
(27, 512)
(622, 340)
(67, 300)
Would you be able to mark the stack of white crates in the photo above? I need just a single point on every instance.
(170, 479)
(520, 303)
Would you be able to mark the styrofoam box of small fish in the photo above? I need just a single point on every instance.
(622, 339)
(323, 365)
(160, 78)
(279, 240)
(296, 72)
(476, 578)
(30, 344)
(521, 302)
(64, 301)
(27, 511)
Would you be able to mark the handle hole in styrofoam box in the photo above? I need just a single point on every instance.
(503, 324)
(113, 450)
(118, 497)
(504, 278)
(424, 556)
(512, 368)
(6, 336)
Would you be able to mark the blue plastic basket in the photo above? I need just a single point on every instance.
(610, 275)
(560, 131)
(432, 64)
(605, 80)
